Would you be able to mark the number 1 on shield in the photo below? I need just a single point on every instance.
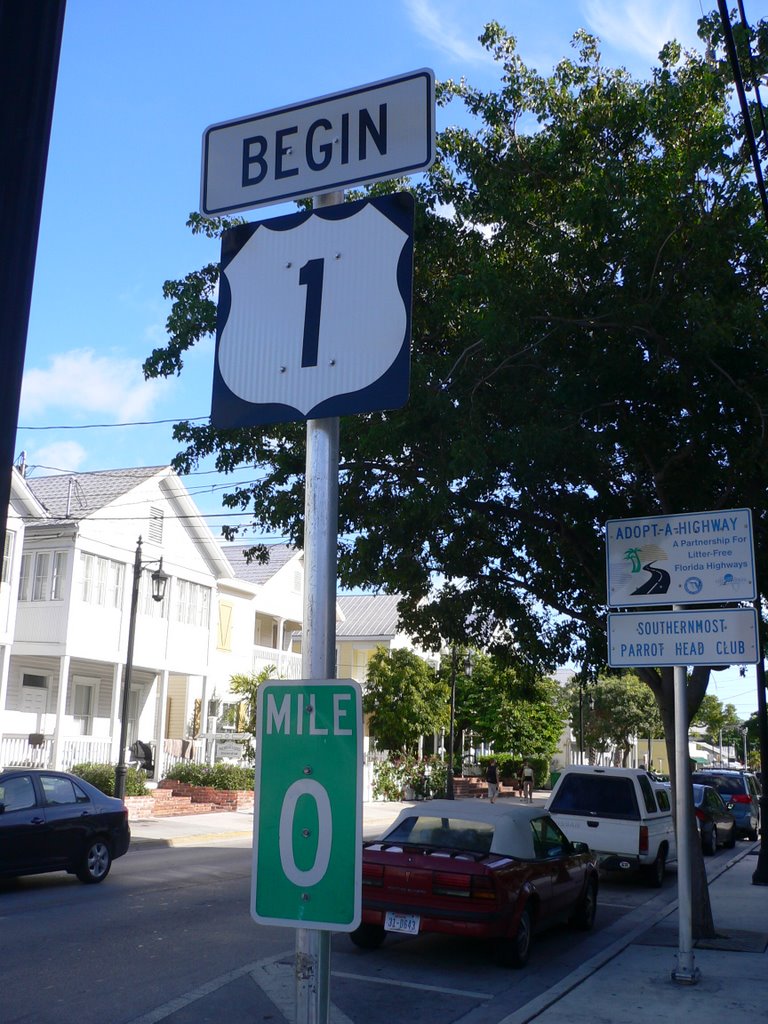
(311, 275)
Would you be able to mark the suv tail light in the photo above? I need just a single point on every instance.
(643, 839)
(699, 814)
(740, 798)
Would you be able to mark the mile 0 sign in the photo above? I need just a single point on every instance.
(314, 314)
(307, 843)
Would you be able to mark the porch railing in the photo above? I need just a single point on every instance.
(20, 751)
(287, 663)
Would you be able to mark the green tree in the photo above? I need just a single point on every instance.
(716, 717)
(589, 343)
(247, 688)
(615, 709)
(516, 713)
(404, 699)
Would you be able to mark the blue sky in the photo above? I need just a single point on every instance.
(138, 84)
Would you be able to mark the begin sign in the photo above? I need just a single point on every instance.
(307, 843)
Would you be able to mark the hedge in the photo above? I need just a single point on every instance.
(102, 776)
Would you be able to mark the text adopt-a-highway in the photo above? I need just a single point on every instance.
(695, 558)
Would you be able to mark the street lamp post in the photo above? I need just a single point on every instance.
(159, 582)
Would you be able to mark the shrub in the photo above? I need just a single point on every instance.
(426, 778)
(217, 776)
(102, 776)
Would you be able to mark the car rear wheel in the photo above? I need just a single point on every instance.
(368, 936)
(95, 863)
(709, 841)
(655, 873)
(515, 952)
(583, 916)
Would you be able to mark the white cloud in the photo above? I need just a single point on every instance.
(439, 24)
(642, 26)
(66, 456)
(80, 384)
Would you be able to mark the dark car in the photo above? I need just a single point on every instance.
(717, 824)
(740, 791)
(476, 870)
(54, 821)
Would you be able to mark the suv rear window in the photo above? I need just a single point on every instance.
(602, 796)
(722, 783)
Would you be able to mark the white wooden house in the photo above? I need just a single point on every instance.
(71, 632)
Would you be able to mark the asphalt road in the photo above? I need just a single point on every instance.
(168, 939)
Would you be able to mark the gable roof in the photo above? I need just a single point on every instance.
(70, 497)
(367, 616)
(256, 572)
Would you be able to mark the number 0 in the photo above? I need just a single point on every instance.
(311, 275)
(317, 872)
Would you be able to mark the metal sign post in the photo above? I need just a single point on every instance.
(686, 972)
(318, 653)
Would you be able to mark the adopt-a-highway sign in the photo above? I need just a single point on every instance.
(690, 558)
(307, 844)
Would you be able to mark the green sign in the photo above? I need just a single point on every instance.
(307, 844)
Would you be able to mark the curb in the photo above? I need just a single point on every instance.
(200, 839)
(554, 994)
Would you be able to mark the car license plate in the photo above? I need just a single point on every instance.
(407, 923)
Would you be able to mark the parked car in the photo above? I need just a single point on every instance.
(55, 821)
(741, 794)
(717, 825)
(476, 870)
(624, 816)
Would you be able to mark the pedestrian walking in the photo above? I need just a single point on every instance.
(492, 778)
(527, 776)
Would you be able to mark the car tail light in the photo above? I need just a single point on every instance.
(699, 814)
(445, 883)
(373, 874)
(740, 798)
(643, 839)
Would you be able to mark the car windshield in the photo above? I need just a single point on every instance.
(454, 833)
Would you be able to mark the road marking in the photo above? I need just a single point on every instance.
(168, 1009)
(275, 977)
(413, 984)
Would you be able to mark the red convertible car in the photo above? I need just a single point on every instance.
(475, 869)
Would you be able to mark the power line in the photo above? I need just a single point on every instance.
(106, 426)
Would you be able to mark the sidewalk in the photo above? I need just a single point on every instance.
(630, 981)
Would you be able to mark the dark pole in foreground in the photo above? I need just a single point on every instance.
(760, 875)
(30, 43)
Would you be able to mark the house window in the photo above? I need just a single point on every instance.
(39, 682)
(192, 603)
(102, 581)
(82, 708)
(40, 578)
(224, 639)
(59, 575)
(7, 554)
(24, 578)
(43, 575)
(155, 528)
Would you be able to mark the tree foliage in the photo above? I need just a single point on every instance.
(613, 710)
(589, 343)
(508, 709)
(715, 717)
(404, 699)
